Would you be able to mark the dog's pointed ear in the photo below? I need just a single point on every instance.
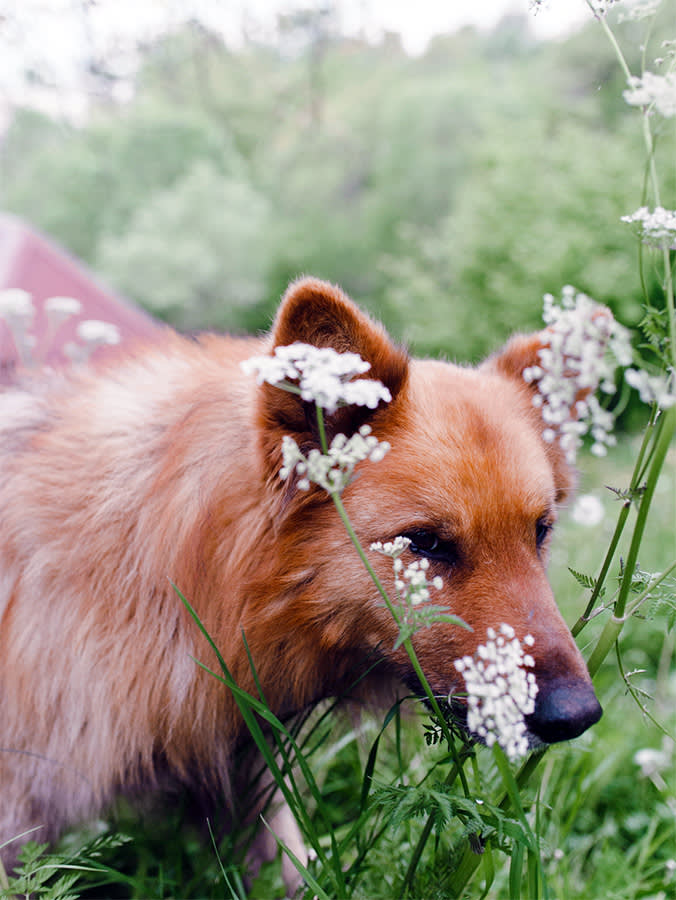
(318, 313)
(520, 353)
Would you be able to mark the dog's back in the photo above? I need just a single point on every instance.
(110, 487)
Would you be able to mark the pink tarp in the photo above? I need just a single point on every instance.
(28, 260)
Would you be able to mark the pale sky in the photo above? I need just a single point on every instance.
(56, 36)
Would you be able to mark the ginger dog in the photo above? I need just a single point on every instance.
(165, 468)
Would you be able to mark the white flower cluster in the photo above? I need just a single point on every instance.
(332, 470)
(587, 511)
(500, 692)
(657, 389)
(16, 305)
(18, 310)
(635, 10)
(394, 548)
(95, 332)
(586, 345)
(600, 7)
(323, 376)
(656, 91)
(59, 309)
(658, 227)
(413, 589)
(411, 581)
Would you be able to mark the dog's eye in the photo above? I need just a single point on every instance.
(431, 546)
(543, 527)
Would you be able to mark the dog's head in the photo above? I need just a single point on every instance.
(469, 480)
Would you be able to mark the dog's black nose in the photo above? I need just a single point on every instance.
(563, 710)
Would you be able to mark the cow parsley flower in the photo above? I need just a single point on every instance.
(411, 581)
(323, 376)
(657, 228)
(394, 548)
(657, 389)
(600, 7)
(59, 309)
(655, 91)
(413, 590)
(331, 470)
(587, 511)
(500, 692)
(95, 332)
(635, 10)
(16, 306)
(585, 346)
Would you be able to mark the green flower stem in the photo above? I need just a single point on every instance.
(407, 644)
(615, 624)
(617, 534)
(648, 591)
(469, 861)
(424, 836)
(654, 179)
(600, 581)
(323, 443)
(338, 503)
(613, 40)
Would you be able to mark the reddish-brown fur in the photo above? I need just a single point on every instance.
(165, 469)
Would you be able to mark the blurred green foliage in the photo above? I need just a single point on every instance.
(446, 192)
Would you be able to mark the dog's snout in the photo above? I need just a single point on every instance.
(563, 710)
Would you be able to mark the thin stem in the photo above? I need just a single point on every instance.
(407, 644)
(424, 837)
(600, 581)
(614, 626)
(323, 443)
(4, 881)
(338, 503)
(662, 442)
(469, 861)
(631, 609)
(616, 47)
(617, 534)
(654, 179)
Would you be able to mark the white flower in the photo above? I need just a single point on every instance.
(658, 228)
(656, 91)
(500, 692)
(332, 470)
(323, 376)
(635, 10)
(657, 389)
(413, 589)
(600, 7)
(411, 582)
(59, 309)
(16, 305)
(585, 346)
(651, 761)
(94, 332)
(394, 548)
(587, 511)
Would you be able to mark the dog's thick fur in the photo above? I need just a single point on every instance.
(164, 468)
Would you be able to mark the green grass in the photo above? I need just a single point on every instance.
(605, 829)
